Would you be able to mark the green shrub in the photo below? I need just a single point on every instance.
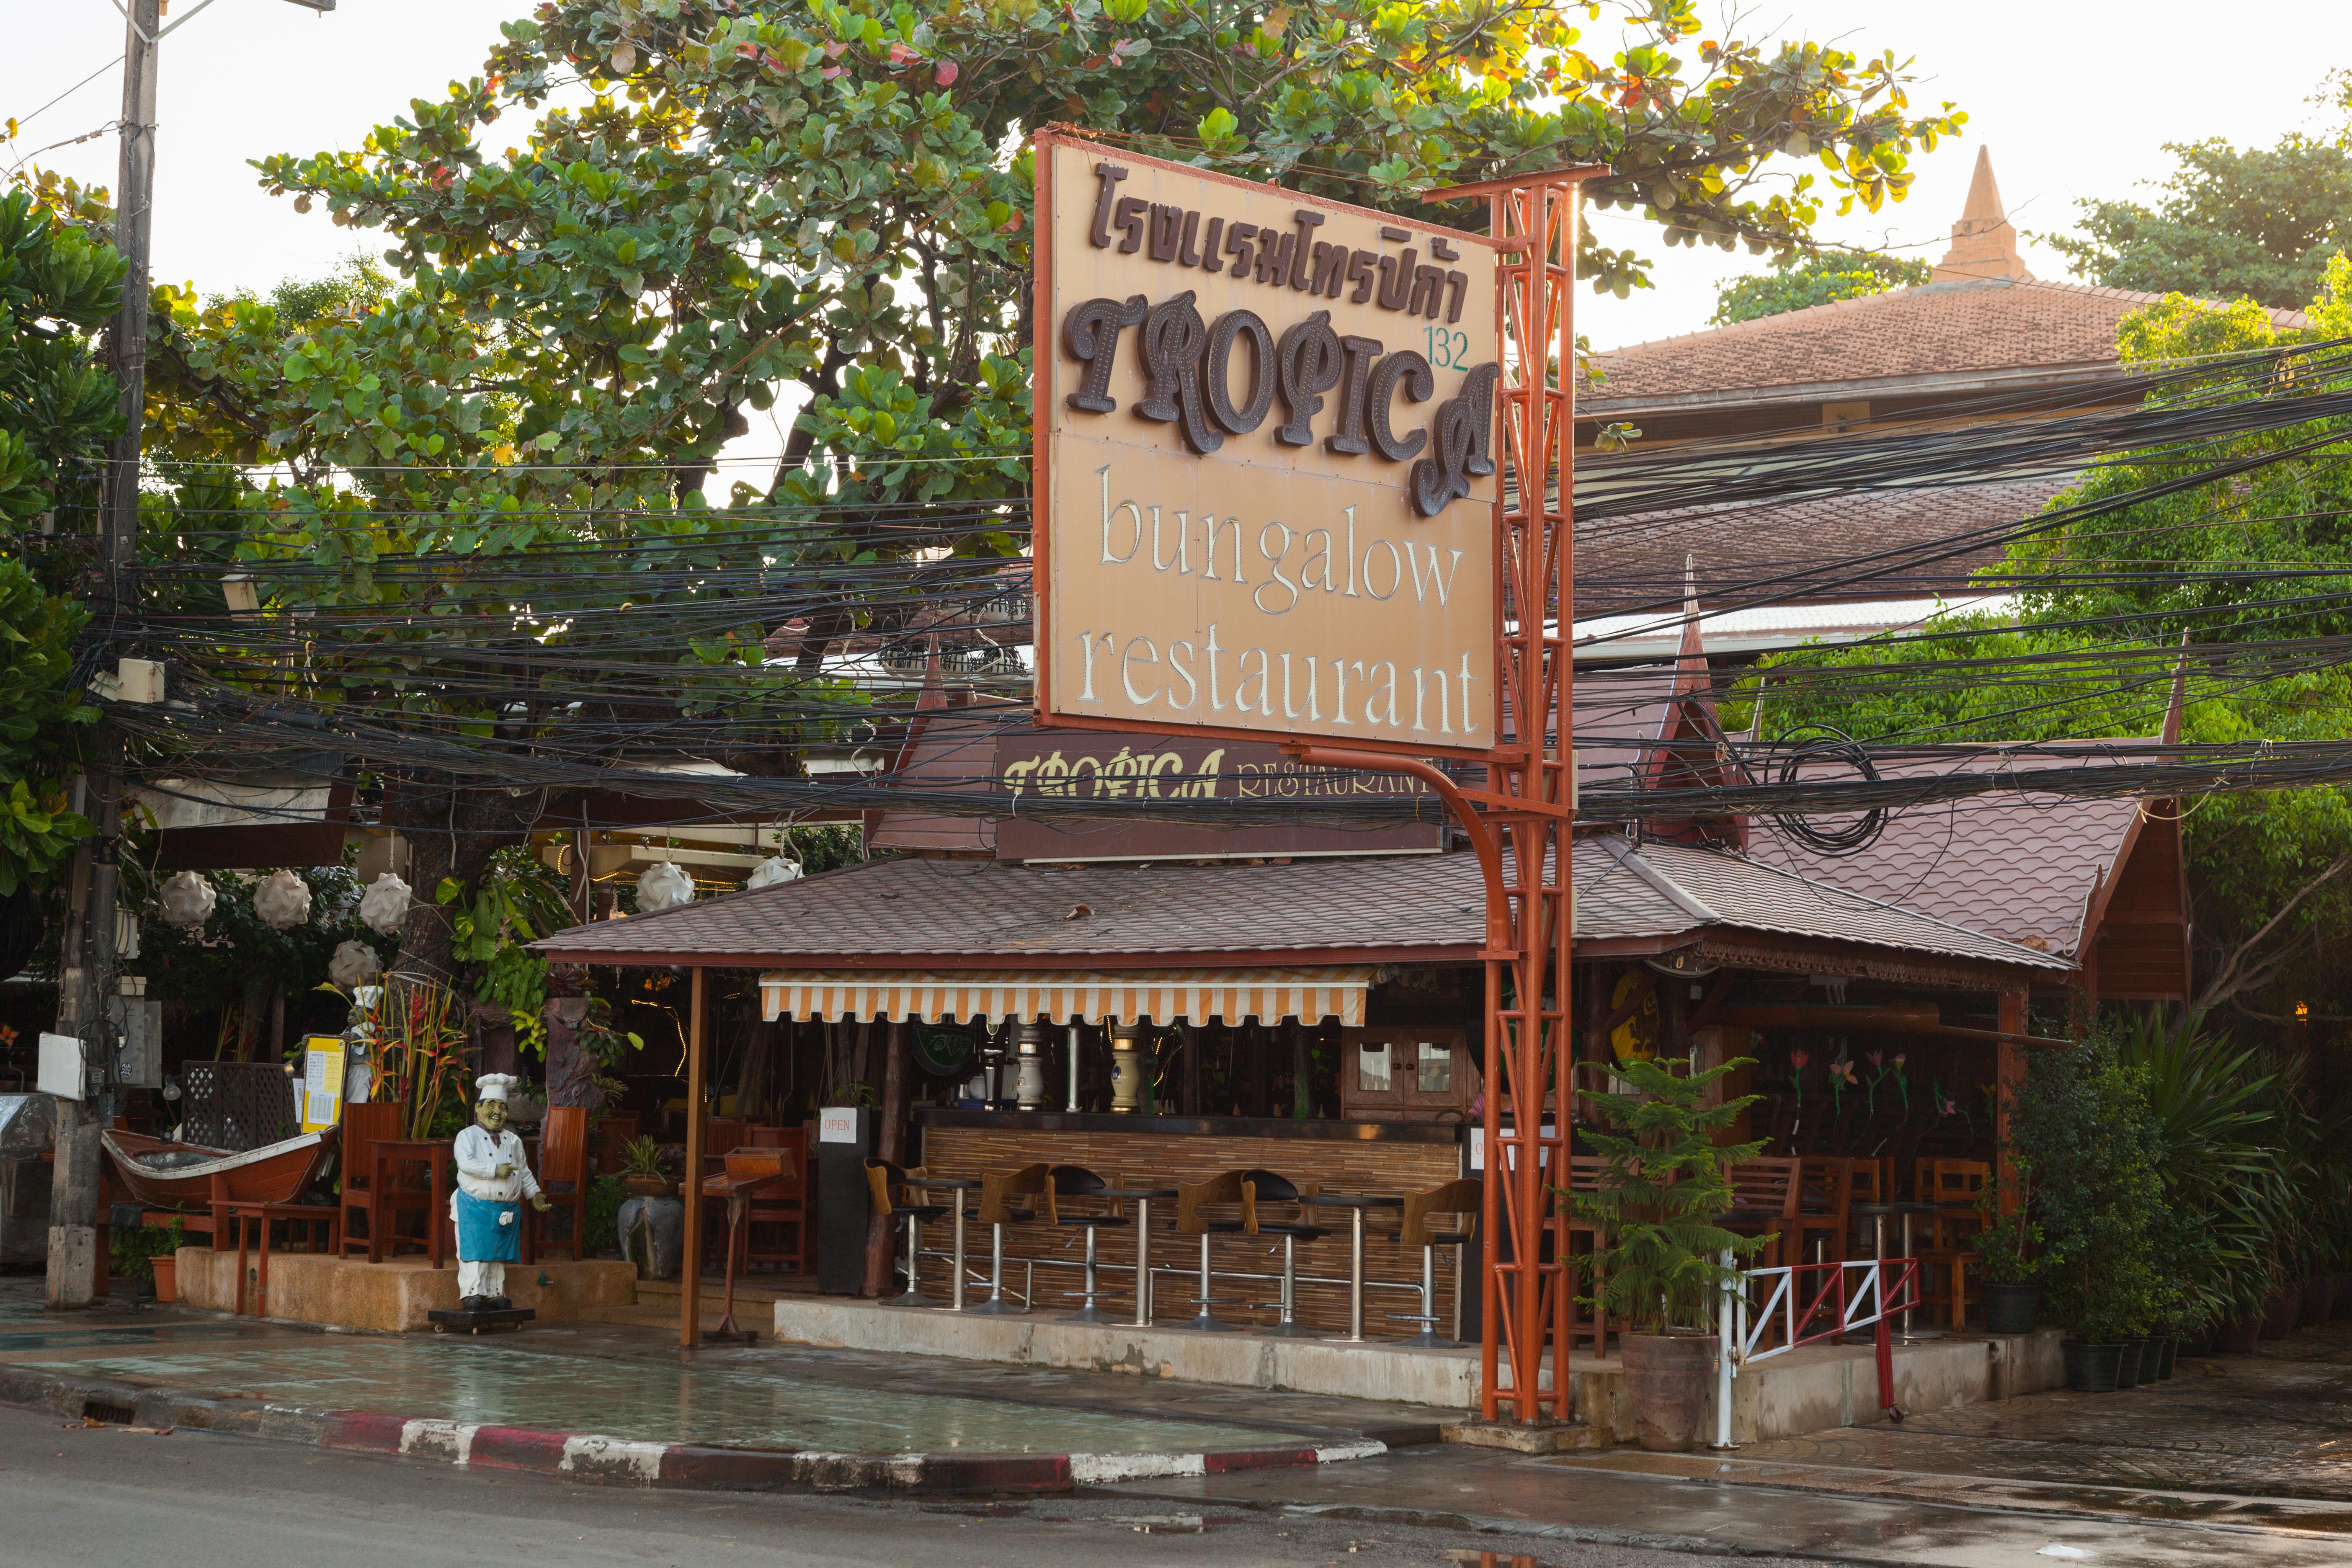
(601, 1233)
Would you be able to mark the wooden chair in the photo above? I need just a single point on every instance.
(1764, 1194)
(1824, 1194)
(1193, 1199)
(1006, 1198)
(615, 1131)
(1584, 1176)
(366, 1220)
(1950, 1182)
(563, 1177)
(781, 1217)
(892, 1200)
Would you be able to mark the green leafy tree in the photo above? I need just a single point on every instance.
(57, 410)
(2256, 223)
(1822, 280)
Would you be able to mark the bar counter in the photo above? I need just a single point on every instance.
(1358, 1158)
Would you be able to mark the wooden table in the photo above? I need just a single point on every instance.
(1356, 1202)
(738, 1191)
(955, 1187)
(241, 1214)
(436, 1154)
(1142, 1198)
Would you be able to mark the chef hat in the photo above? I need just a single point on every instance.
(494, 1085)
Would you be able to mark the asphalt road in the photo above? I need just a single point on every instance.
(71, 1495)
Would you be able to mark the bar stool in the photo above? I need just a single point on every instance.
(1078, 1182)
(1465, 1196)
(883, 1180)
(996, 1211)
(1271, 1187)
(1190, 1198)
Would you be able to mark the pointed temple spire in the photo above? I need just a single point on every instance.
(1984, 245)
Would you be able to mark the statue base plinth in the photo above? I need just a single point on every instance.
(456, 1320)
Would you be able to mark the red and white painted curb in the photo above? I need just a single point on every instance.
(619, 1461)
(587, 1457)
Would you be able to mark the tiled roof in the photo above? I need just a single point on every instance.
(990, 914)
(1667, 889)
(2019, 867)
(986, 913)
(1981, 325)
(1818, 544)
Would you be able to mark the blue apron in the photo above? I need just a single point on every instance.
(488, 1231)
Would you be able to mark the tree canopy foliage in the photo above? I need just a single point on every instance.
(57, 410)
(2256, 223)
(1822, 280)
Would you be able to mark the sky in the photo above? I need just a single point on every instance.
(2074, 97)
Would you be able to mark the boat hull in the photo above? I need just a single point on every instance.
(274, 1173)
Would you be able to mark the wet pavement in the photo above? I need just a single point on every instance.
(633, 1383)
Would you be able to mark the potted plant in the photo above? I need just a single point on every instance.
(651, 1221)
(1660, 1268)
(2007, 1244)
(2084, 1135)
(641, 1169)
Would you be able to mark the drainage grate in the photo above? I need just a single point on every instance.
(94, 1409)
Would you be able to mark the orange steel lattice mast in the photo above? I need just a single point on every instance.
(1520, 824)
(1529, 801)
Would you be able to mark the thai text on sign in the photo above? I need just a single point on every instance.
(1267, 425)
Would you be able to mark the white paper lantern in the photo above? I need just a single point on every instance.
(282, 900)
(353, 962)
(188, 900)
(385, 905)
(664, 887)
(776, 868)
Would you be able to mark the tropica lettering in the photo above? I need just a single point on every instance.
(1188, 361)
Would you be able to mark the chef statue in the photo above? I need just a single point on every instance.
(485, 1208)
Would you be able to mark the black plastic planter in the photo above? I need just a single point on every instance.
(2170, 1349)
(2127, 1364)
(2091, 1365)
(2009, 1309)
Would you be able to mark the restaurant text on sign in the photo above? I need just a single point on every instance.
(1266, 431)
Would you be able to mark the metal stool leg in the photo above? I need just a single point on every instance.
(914, 1296)
(1429, 1339)
(1289, 1328)
(996, 1305)
(1089, 1313)
(1206, 1320)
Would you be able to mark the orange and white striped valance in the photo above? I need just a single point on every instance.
(1161, 995)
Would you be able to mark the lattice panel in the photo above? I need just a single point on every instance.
(237, 1106)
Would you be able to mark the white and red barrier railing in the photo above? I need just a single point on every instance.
(1771, 1311)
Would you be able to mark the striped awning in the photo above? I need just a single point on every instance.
(1161, 995)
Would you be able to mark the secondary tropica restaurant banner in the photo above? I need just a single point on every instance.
(1265, 442)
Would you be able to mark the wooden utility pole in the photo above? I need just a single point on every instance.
(88, 978)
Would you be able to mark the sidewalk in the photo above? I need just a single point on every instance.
(621, 1402)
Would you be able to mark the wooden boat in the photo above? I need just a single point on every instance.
(162, 1175)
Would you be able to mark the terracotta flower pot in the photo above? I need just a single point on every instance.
(167, 1277)
(2200, 1342)
(1666, 1384)
(2283, 1311)
(649, 1186)
(2318, 1300)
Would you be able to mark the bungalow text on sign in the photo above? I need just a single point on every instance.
(1266, 428)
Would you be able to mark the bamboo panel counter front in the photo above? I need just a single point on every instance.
(1384, 1158)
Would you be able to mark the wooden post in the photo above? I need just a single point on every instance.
(890, 1143)
(1193, 1032)
(689, 1295)
(2008, 1081)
